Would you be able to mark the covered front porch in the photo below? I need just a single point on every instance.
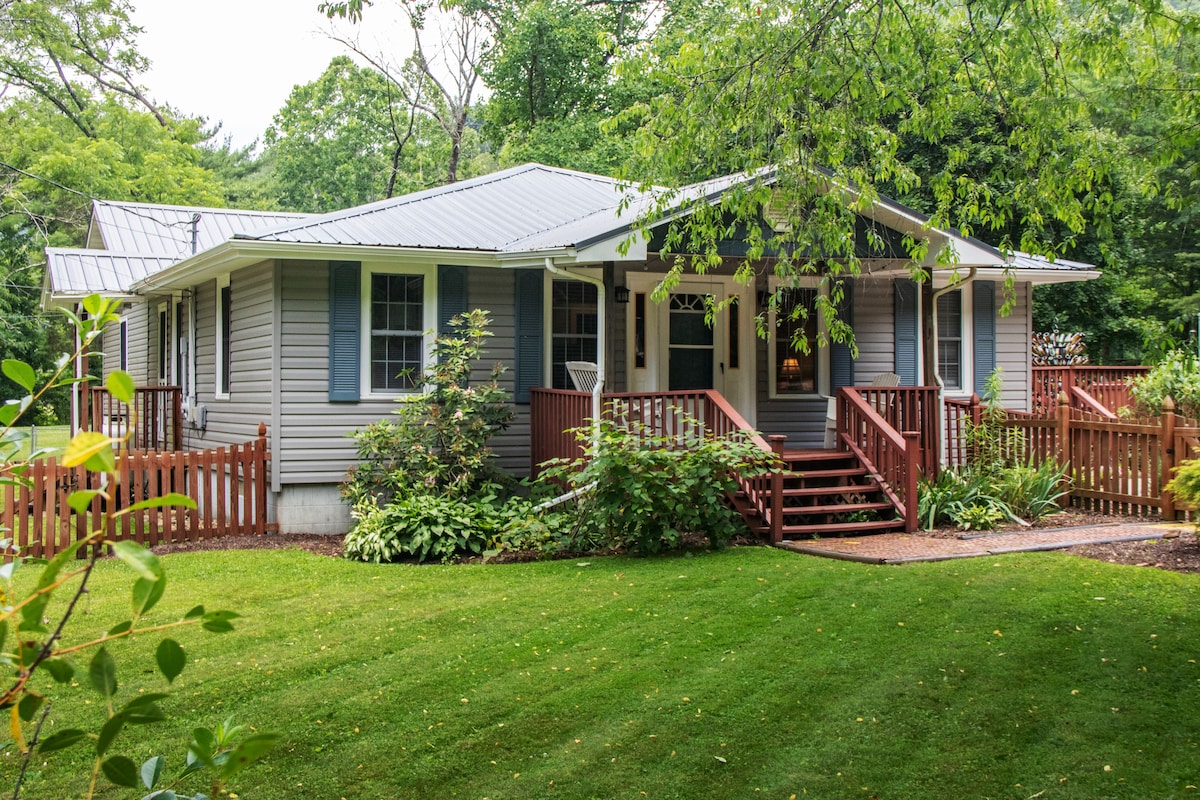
(884, 438)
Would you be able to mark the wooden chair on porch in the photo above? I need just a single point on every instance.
(583, 375)
(883, 379)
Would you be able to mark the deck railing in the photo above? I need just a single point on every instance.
(156, 415)
(1107, 385)
(893, 458)
(229, 486)
(909, 408)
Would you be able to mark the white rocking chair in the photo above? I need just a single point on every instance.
(583, 375)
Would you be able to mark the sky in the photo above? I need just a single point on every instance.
(236, 61)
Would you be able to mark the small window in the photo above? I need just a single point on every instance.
(796, 370)
(224, 338)
(397, 331)
(124, 346)
(574, 314)
(163, 340)
(950, 338)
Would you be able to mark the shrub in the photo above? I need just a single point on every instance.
(647, 491)
(1033, 491)
(1177, 376)
(437, 443)
(424, 526)
(1185, 485)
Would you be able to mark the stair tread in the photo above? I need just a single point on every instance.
(836, 508)
(844, 527)
(797, 456)
(810, 491)
(843, 472)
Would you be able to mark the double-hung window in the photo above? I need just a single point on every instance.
(950, 338)
(573, 321)
(397, 318)
(224, 337)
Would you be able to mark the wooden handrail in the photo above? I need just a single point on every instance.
(1085, 401)
(891, 458)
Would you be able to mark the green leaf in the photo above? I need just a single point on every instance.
(121, 770)
(92, 450)
(152, 771)
(62, 739)
(60, 669)
(172, 499)
(171, 659)
(9, 412)
(28, 706)
(141, 559)
(203, 745)
(109, 732)
(146, 594)
(81, 500)
(20, 373)
(218, 621)
(246, 753)
(3, 633)
(120, 628)
(197, 611)
(31, 613)
(120, 385)
(94, 305)
(103, 673)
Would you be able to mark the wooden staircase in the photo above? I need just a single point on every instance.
(826, 493)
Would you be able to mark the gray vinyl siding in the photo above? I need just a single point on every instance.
(874, 329)
(315, 444)
(235, 420)
(1013, 335)
(137, 337)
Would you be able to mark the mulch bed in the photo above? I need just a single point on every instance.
(1176, 553)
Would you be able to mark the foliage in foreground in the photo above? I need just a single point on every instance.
(1185, 485)
(614, 676)
(32, 625)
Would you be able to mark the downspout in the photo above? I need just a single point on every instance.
(601, 339)
(937, 378)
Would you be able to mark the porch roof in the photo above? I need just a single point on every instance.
(74, 273)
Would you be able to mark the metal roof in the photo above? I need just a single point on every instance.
(162, 230)
(1026, 261)
(500, 212)
(80, 272)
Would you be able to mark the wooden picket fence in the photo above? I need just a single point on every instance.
(1116, 466)
(229, 486)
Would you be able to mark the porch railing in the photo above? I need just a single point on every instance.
(909, 408)
(891, 457)
(156, 415)
(229, 486)
(1107, 385)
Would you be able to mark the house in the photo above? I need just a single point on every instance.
(309, 322)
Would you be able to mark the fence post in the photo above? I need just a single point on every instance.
(777, 440)
(1167, 445)
(1064, 442)
(260, 478)
(912, 449)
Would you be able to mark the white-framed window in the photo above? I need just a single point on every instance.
(794, 372)
(574, 314)
(950, 350)
(399, 310)
(164, 342)
(224, 338)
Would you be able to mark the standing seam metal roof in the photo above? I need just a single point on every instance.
(163, 230)
(81, 271)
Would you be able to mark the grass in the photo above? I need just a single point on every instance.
(745, 673)
(48, 436)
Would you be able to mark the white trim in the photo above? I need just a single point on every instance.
(548, 318)
(967, 371)
(218, 343)
(428, 320)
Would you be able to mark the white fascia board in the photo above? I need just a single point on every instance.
(235, 254)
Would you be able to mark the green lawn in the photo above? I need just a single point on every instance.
(55, 436)
(746, 673)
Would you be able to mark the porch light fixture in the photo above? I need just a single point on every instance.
(790, 369)
(621, 294)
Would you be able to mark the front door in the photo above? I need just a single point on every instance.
(673, 347)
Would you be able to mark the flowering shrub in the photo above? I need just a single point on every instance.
(1177, 376)
(436, 442)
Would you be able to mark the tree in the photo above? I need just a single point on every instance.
(820, 98)
(68, 52)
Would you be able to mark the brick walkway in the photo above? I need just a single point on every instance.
(898, 548)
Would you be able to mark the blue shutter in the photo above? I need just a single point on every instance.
(841, 360)
(527, 356)
(344, 320)
(905, 328)
(452, 296)
(984, 319)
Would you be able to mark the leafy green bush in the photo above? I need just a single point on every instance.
(647, 492)
(424, 526)
(1177, 376)
(1033, 492)
(1185, 485)
(437, 444)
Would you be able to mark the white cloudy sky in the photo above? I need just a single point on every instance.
(236, 61)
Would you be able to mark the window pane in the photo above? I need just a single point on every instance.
(573, 321)
(796, 371)
(397, 331)
(950, 325)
